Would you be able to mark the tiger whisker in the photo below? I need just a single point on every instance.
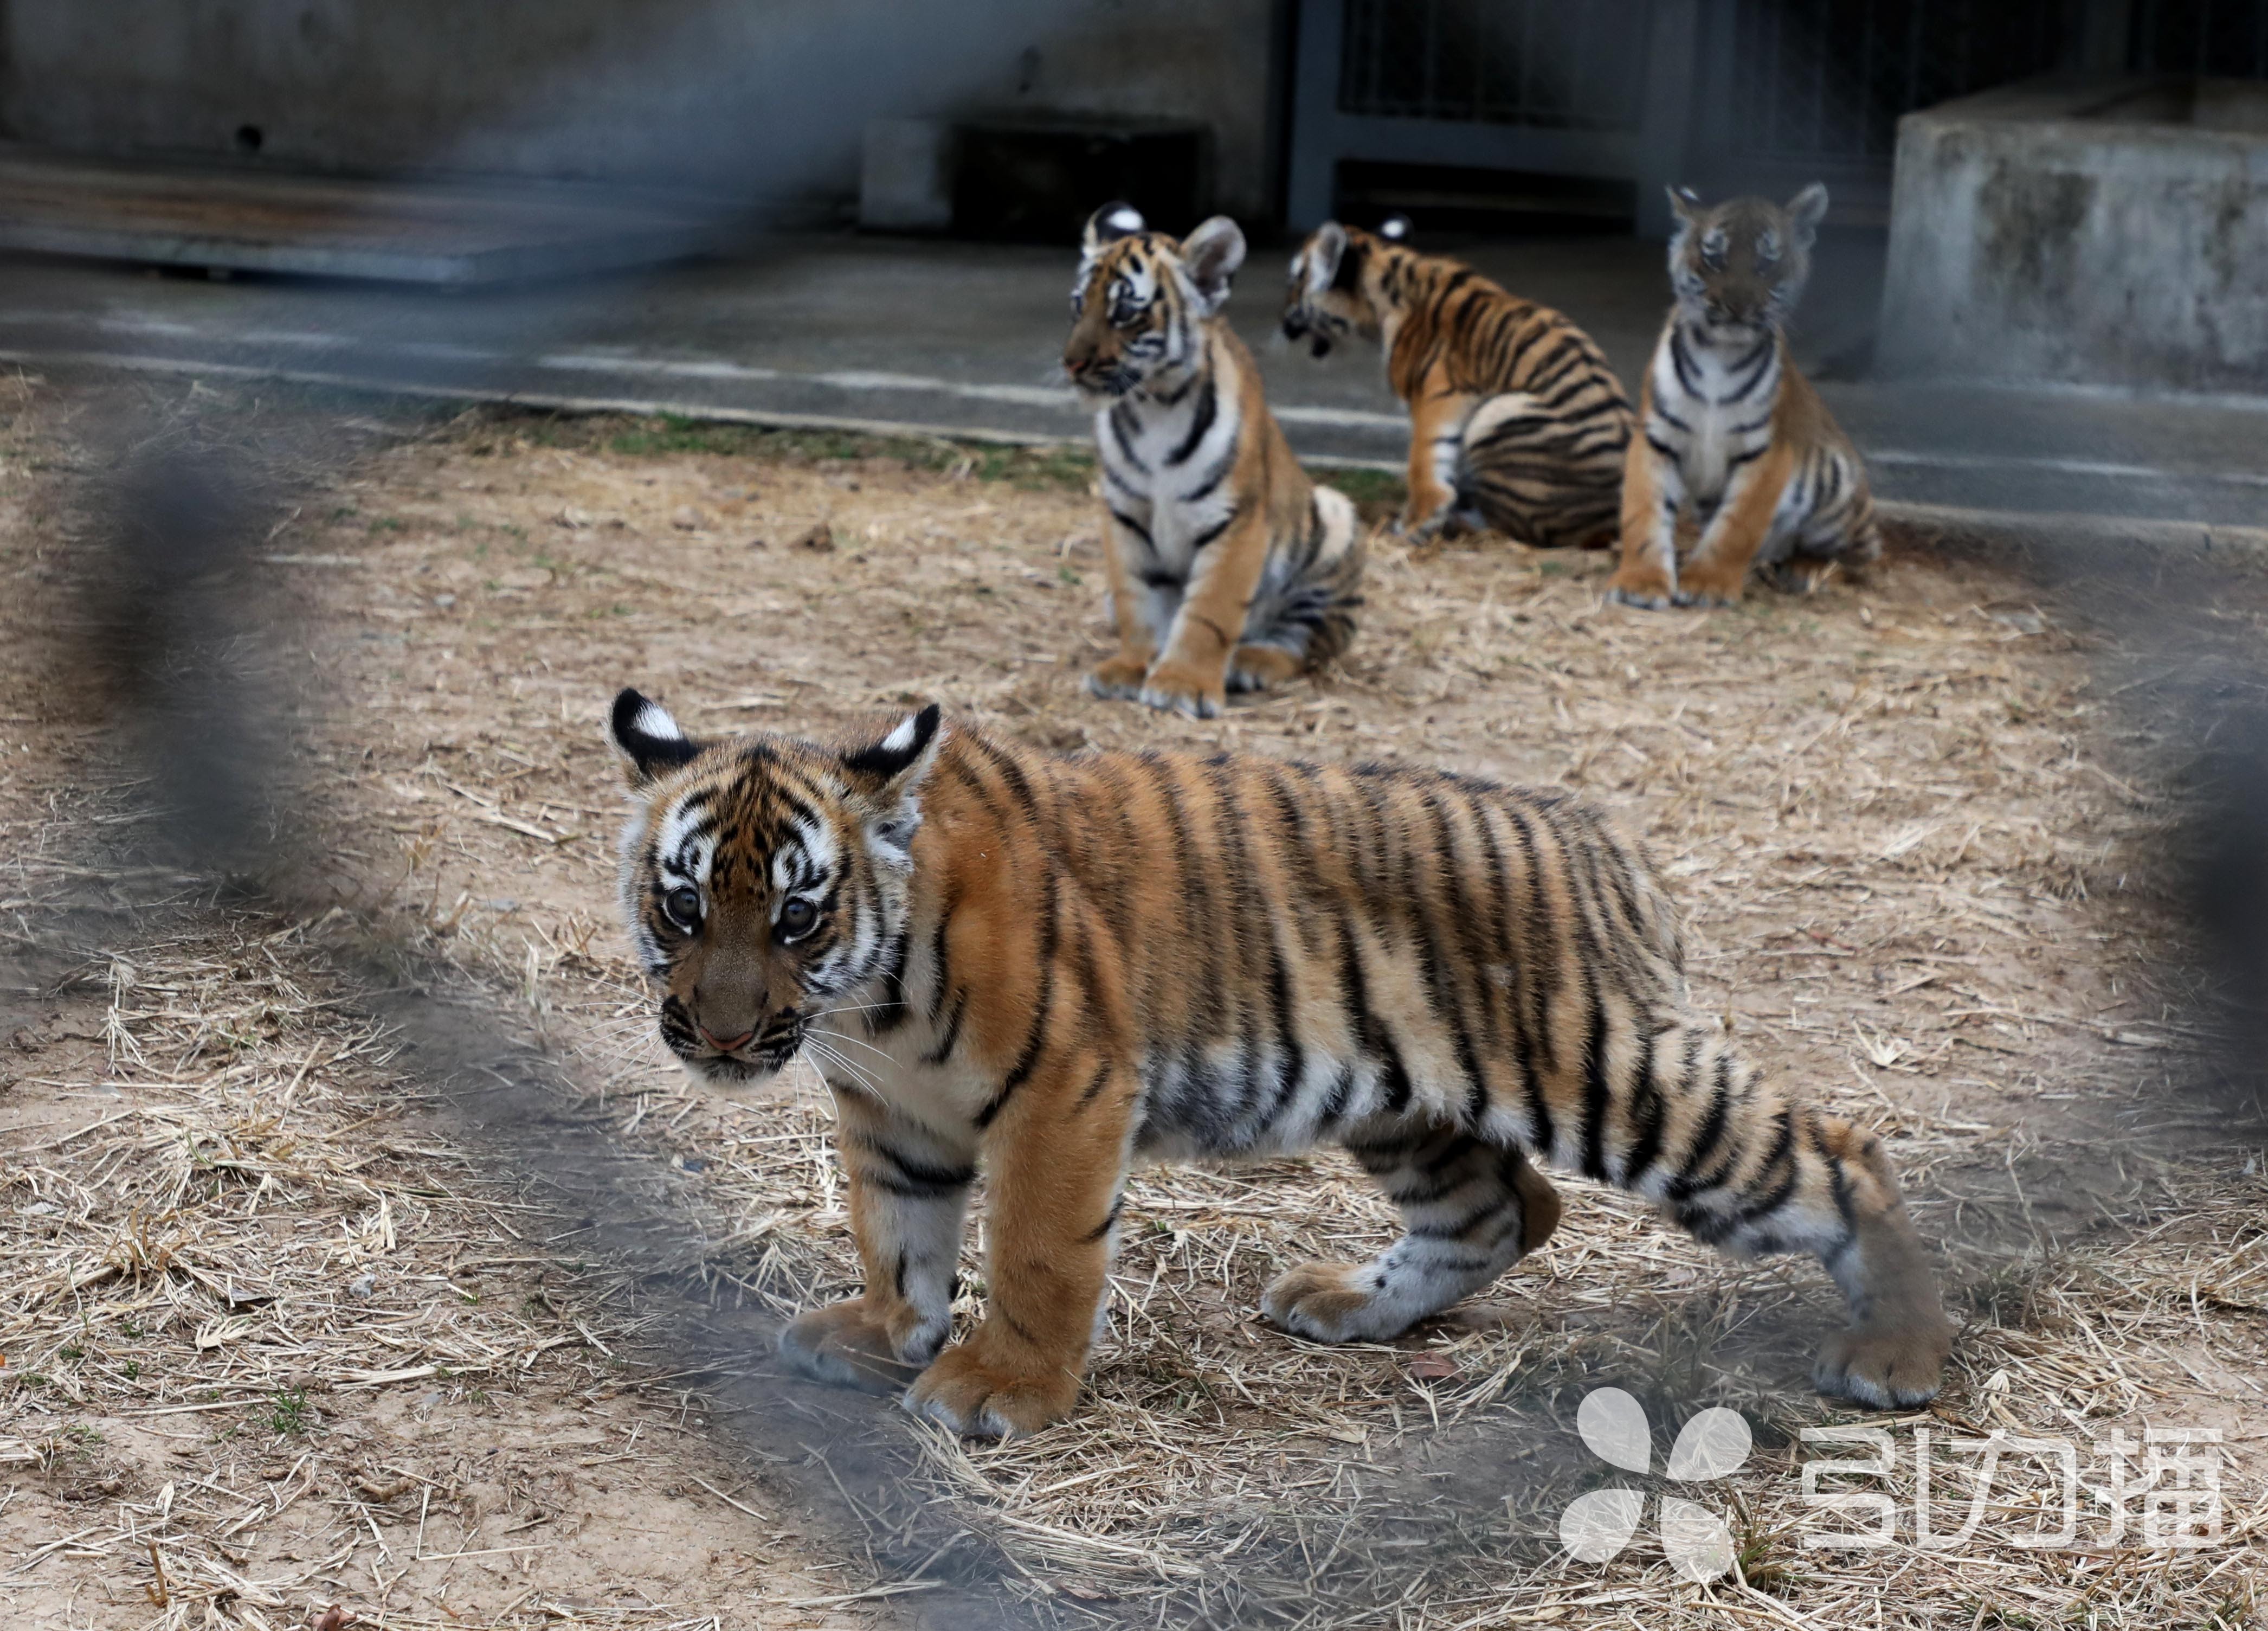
(837, 1036)
(849, 1069)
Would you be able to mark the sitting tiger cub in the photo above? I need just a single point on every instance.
(1516, 422)
(1728, 423)
(1229, 570)
(1055, 966)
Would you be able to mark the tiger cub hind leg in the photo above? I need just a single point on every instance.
(1742, 1166)
(1473, 1210)
(1437, 439)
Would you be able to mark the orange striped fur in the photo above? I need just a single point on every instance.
(1048, 967)
(1516, 422)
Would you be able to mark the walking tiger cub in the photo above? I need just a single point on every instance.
(1729, 425)
(1516, 423)
(1229, 570)
(1054, 965)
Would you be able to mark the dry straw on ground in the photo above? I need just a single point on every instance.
(1910, 824)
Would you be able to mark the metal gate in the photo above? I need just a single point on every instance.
(1726, 95)
(2225, 38)
(1596, 90)
(1537, 62)
(1824, 82)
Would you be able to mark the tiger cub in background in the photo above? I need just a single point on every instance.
(1516, 423)
(1229, 568)
(1731, 426)
(1058, 965)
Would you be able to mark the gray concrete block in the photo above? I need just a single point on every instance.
(2105, 233)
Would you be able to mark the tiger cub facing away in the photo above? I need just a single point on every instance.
(1053, 966)
(1729, 424)
(1229, 568)
(1516, 422)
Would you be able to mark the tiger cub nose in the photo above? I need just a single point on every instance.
(723, 1045)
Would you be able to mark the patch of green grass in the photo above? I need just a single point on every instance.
(1060, 466)
(1371, 490)
(289, 1413)
(670, 433)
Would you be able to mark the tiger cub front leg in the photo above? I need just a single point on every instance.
(1437, 426)
(908, 1190)
(1653, 489)
(1718, 569)
(1473, 1210)
(1056, 1157)
(1125, 544)
(1191, 675)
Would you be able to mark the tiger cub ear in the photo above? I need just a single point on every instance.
(889, 773)
(1324, 251)
(1115, 220)
(649, 739)
(1212, 252)
(1808, 208)
(889, 768)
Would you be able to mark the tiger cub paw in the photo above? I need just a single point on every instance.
(1178, 688)
(980, 1391)
(1331, 1302)
(1118, 677)
(1647, 589)
(1424, 515)
(1703, 583)
(1885, 1363)
(1256, 667)
(853, 1345)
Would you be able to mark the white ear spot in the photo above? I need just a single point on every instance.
(902, 738)
(1395, 229)
(653, 720)
(1126, 219)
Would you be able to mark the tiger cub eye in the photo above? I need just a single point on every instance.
(796, 920)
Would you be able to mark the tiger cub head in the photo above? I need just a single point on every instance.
(764, 879)
(1738, 268)
(1141, 300)
(1328, 298)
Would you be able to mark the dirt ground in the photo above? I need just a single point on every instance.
(280, 1332)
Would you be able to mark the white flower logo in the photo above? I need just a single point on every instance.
(1713, 1444)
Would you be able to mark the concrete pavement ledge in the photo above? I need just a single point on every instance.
(2010, 531)
(2027, 532)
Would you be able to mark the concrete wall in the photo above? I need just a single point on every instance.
(2112, 234)
(764, 97)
